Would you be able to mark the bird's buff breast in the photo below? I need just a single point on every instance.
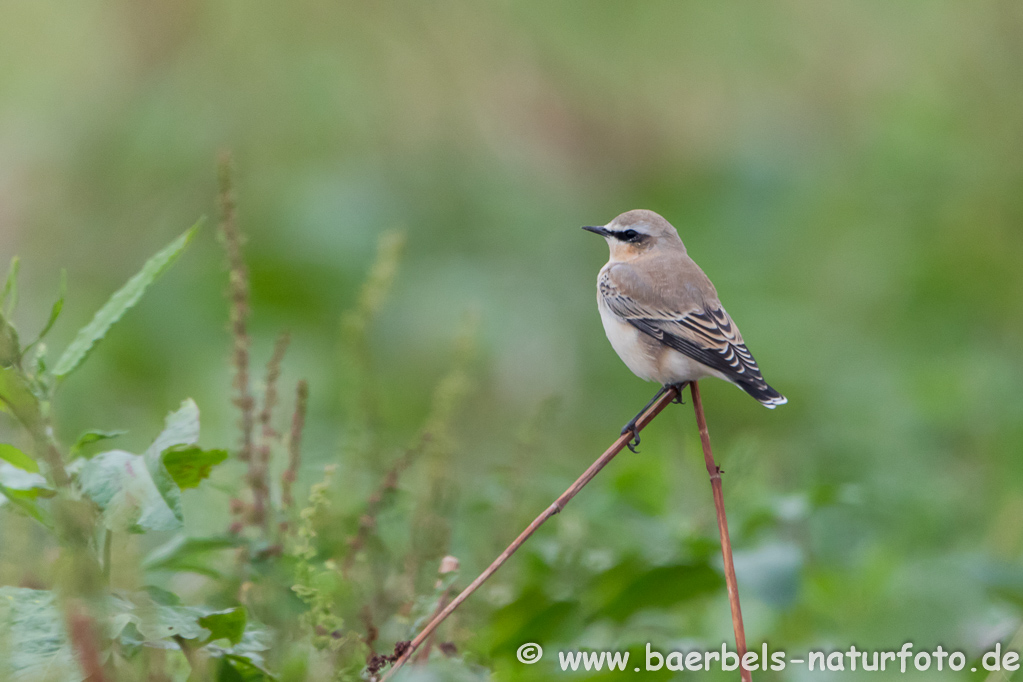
(648, 358)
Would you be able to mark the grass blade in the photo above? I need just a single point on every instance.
(58, 305)
(122, 300)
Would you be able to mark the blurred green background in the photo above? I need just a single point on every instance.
(848, 174)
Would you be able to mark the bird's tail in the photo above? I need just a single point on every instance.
(767, 396)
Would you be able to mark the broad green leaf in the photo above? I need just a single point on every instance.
(127, 636)
(247, 655)
(190, 554)
(238, 668)
(156, 621)
(10, 296)
(30, 483)
(16, 397)
(629, 587)
(122, 486)
(10, 348)
(122, 300)
(90, 437)
(37, 646)
(162, 596)
(162, 622)
(228, 624)
(181, 428)
(189, 465)
(11, 454)
(25, 502)
(58, 305)
(21, 489)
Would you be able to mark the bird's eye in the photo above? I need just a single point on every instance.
(629, 235)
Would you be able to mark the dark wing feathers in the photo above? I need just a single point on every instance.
(704, 333)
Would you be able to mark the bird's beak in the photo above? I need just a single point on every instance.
(602, 231)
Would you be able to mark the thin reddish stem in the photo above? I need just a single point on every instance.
(726, 544)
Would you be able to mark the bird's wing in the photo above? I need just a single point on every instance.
(685, 316)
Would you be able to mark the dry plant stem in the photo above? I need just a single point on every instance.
(232, 239)
(726, 544)
(294, 444)
(556, 507)
(259, 465)
(367, 522)
(82, 631)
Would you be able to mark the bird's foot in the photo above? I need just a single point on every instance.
(678, 393)
(631, 428)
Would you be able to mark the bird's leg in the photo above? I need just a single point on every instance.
(631, 426)
(678, 387)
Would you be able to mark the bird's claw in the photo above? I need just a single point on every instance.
(634, 441)
(678, 395)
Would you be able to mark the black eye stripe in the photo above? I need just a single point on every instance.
(629, 236)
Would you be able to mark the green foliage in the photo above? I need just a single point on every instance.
(228, 624)
(190, 554)
(90, 437)
(190, 465)
(10, 347)
(123, 300)
(22, 488)
(13, 455)
(58, 306)
(312, 580)
(35, 638)
(18, 399)
(122, 486)
(137, 493)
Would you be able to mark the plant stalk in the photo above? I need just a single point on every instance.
(714, 471)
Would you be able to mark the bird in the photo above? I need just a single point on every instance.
(662, 314)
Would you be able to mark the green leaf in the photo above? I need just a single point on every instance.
(16, 397)
(228, 624)
(25, 502)
(21, 489)
(10, 296)
(121, 484)
(122, 300)
(90, 437)
(156, 621)
(11, 454)
(190, 554)
(58, 305)
(10, 349)
(245, 659)
(180, 428)
(36, 640)
(189, 465)
(237, 668)
(31, 483)
(630, 587)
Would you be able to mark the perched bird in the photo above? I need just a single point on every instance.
(662, 315)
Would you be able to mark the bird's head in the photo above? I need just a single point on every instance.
(637, 233)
